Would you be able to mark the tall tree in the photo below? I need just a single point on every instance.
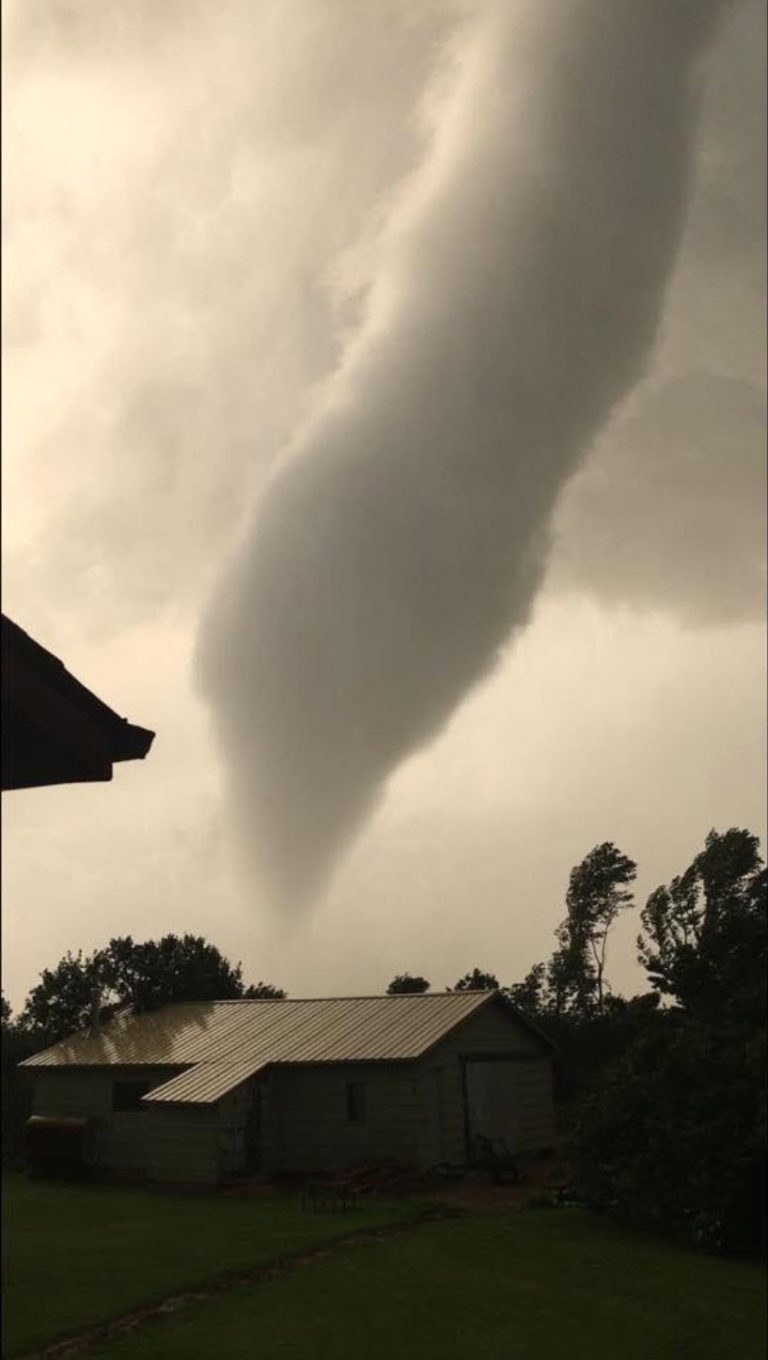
(597, 892)
(476, 981)
(703, 938)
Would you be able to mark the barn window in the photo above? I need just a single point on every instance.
(126, 1095)
(355, 1102)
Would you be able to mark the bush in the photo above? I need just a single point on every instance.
(674, 1137)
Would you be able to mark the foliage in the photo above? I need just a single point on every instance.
(405, 983)
(144, 975)
(704, 936)
(476, 981)
(529, 996)
(597, 892)
(675, 1136)
(572, 986)
(173, 969)
(63, 999)
(15, 1046)
(259, 991)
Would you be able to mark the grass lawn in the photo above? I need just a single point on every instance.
(79, 1255)
(547, 1285)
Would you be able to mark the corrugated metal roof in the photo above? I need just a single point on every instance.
(221, 1043)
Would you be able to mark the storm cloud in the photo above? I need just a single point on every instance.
(516, 292)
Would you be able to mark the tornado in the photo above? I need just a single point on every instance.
(397, 546)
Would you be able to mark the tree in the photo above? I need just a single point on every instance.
(703, 940)
(263, 991)
(596, 894)
(63, 1000)
(674, 1136)
(16, 1103)
(476, 981)
(173, 969)
(530, 995)
(5, 1011)
(143, 975)
(405, 983)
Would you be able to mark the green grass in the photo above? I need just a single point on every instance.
(78, 1255)
(555, 1285)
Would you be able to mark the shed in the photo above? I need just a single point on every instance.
(205, 1092)
(55, 731)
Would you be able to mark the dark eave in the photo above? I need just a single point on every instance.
(55, 731)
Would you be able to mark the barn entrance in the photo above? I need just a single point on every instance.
(252, 1139)
(491, 1104)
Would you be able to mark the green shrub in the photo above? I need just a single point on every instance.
(674, 1137)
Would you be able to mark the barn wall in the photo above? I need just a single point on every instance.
(304, 1116)
(164, 1143)
(233, 1114)
(415, 1111)
(490, 1031)
(183, 1144)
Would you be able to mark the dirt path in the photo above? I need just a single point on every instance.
(80, 1343)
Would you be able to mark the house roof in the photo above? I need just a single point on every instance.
(219, 1044)
(55, 731)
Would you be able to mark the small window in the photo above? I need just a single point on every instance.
(126, 1095)
(355, 1102)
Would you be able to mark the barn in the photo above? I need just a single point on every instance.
(208, 1092)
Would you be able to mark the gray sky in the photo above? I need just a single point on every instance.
(196, 211)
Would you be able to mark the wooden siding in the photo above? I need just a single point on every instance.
(164, 1144)
(304, 1116)
(492, 1031)
(234, 1112)
(414, 1111)
(183, 1144)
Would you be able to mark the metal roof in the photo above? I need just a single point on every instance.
(221, 1043)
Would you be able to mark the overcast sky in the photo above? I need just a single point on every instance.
(199, 207)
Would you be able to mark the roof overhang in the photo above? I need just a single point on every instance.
(55, 731)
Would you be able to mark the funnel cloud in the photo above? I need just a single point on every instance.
(515, 296)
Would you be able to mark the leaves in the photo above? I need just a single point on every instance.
(703, 938)
(476, 981)
(405, 983)
(144, 975)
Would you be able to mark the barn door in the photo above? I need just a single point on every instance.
(491, 1095)
(253, 1131)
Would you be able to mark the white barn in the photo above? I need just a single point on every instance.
(206, 1092)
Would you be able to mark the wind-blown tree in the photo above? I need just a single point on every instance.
(704, 936)
(476, 981)
(405, 983)
(144, 975)
(597, 892)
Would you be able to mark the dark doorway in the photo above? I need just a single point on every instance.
(491, 1104)
(253, 1132)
